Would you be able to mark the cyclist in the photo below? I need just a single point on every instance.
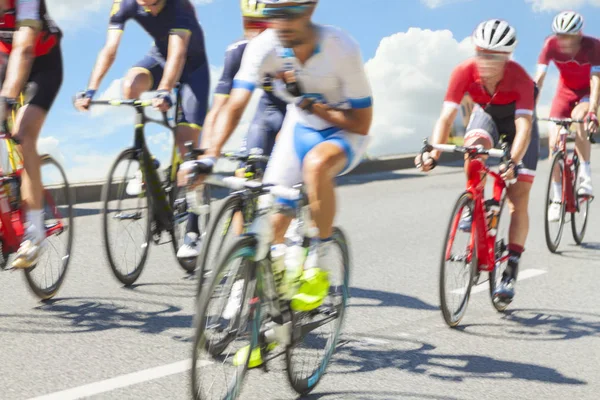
(32, 60)
(577, 57)
(271, 109)
(503, 94)
(178, 55)
(319, 71)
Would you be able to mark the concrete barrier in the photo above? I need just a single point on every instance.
(89, 192)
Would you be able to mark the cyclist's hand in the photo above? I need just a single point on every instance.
(425, 162)
(162, 102)
(509, 171)
(592, 122)
(192, 173)
(83, 100)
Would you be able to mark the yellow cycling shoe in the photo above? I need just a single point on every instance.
(314, 288)
(255, 358)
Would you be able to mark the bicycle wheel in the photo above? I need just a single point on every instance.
(126, 218)
(226, 326)
(454, 300)
(316, 333)
(177, 197)
(501, 254)
(46, 277)
(579, 218)
(220, 233)
(554, 229)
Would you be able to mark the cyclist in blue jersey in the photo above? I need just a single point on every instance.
(178, 55)
(269, 114)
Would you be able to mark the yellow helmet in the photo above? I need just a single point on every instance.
(252, 9)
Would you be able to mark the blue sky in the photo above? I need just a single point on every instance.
(87, 143)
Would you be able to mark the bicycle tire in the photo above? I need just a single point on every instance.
(245, 247)
(578, 234)
(553, 243)
(501, 247)
(129, 278)
(49, 292)
(453, 319)
(232, 203)
(305, 385)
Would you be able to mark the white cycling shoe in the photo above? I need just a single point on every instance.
(554, 212)
(585, 186)
(191, 246)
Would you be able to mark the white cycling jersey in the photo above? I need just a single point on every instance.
(333, 75)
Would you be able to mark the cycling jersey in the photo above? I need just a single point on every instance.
(233, 61)
(176, 16)
(31, 13)
(333, 75)
(514, 94)
(574, 70)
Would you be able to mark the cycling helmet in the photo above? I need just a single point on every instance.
(567, 23)
(288, 2)
(495, 35)
(252, 9)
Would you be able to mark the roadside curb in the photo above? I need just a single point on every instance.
(90, 192)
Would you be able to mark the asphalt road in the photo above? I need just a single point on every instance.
(98, 337)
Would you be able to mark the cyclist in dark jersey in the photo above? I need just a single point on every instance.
(271, 109)
(31, 63)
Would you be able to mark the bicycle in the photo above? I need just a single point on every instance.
(567, 166)
(261, 318)
(142, 195)
(223, 220)
(55, 254)
(486, 245)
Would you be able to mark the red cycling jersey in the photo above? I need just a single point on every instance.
(574, 70)
(516, 89)
(28, 13)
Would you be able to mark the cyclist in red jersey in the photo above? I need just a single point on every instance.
(32, 63)
(504, 99)
(577, 57)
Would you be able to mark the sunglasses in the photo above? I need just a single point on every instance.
(256, 25)
(290, 12)
(492, 56)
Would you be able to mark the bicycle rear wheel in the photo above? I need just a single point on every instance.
(47, 276)
(316, 333)
(501, 254)
(220, 233)
(126, 218)
(553, 229)
(463, 253)
(579, 218)
(227, 322)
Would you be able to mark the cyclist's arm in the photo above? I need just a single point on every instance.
(228, 119)
(443, 127)
(522, 137)
(540, 76)
(20, 61)
(176, 57)
(594, 91)
(355, 120)
(105, 58)
(544, 60)
(219, 101)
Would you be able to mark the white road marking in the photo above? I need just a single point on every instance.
(484, 286)
(120, 381)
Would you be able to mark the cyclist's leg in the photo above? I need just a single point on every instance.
(193, 97)
(144, 76)
(583, 146)
(43, 85)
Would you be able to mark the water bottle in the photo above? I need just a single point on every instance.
(492, 207)
(294, 262)
(278, 252)
(12, 188)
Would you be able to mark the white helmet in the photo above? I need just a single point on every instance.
(567, 23)
(495, 35)
(290, 2)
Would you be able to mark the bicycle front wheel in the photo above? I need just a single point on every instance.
(47, 276)
(227, 325)
(579, 218)
(459, 261)
(318, 331)
(554, 217)
(126, 218)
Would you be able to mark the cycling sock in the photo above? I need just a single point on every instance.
(557, 190)
(585, 168)
(514, 256)
(36, 228)
(192, 224)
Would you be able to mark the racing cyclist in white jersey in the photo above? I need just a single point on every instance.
(319, 71)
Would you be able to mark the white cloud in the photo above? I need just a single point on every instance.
(558, 5)
(441, 3)
(409, 75)
(69, 13)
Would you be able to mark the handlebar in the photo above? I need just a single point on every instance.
(236, 183)
(566, 123)
(472, 151)
(122, 102)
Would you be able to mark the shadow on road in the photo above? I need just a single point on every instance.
(539, 324)
(585, 251)
(418, 357)
(389, 299)
(84, 212)
(372, 395)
